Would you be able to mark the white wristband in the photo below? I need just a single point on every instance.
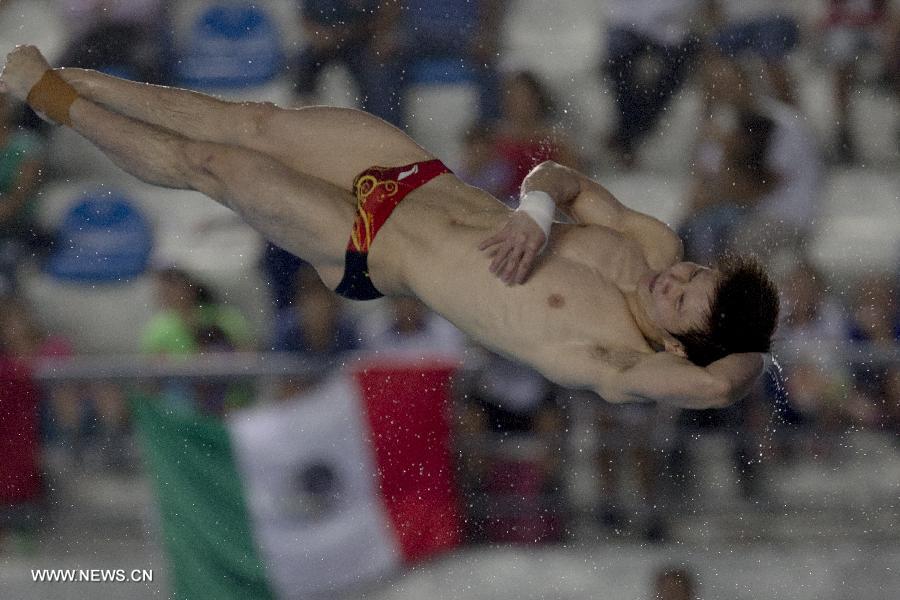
(539, 206)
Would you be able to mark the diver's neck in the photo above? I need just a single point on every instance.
(651, 332)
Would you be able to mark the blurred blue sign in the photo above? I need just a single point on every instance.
(229, 46)
(103, 238)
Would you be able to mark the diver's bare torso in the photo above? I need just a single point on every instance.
(573, 306)
(570, 320)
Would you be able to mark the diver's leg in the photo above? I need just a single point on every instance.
(192, 115)
(334, 144)
(301, 213)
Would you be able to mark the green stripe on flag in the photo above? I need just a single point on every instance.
(204, 516)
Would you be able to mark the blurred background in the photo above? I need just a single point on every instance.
(145, 332)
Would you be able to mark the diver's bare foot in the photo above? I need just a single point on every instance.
(24, 67)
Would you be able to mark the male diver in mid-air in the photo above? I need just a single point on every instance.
(607, 304)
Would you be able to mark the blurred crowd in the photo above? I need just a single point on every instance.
(756, 176)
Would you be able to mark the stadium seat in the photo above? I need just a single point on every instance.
(189, 229)
(103, 239)
(860, 226)
(233, 49)
(28, 21)
(437, 114)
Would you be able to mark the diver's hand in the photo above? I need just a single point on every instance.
(514, 248)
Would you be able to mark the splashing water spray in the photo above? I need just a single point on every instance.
(776, 416)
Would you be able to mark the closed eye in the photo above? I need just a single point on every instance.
(680, 302)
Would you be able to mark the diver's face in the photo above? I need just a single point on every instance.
(679, 298)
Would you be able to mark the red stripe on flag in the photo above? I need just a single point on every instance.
(20, 479)
(409, 411)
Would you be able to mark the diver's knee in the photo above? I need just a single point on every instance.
(203, 165)
(203, 157)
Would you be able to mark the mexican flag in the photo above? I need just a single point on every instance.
(322, 492)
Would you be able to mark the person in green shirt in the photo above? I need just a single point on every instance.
(190, 322)
(187, 309)
(21, 161)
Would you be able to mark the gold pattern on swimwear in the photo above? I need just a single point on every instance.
(362, 235)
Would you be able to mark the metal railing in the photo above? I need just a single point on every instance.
(230, 365)
(578, 447)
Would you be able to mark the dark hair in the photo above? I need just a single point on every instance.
(742, 316)
(680, 576)
(172, 274)
(758, 130)
(213, 337)
(479, 131)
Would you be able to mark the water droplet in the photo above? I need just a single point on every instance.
(776, 417)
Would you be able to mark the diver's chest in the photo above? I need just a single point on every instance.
(589, 310)
(614, 259)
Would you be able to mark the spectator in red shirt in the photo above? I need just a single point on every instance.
(526, 134)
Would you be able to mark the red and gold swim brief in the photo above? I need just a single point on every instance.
(378, 191)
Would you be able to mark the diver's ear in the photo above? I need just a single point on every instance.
(675, 347)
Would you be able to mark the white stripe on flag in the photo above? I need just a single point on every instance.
(310, 481)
